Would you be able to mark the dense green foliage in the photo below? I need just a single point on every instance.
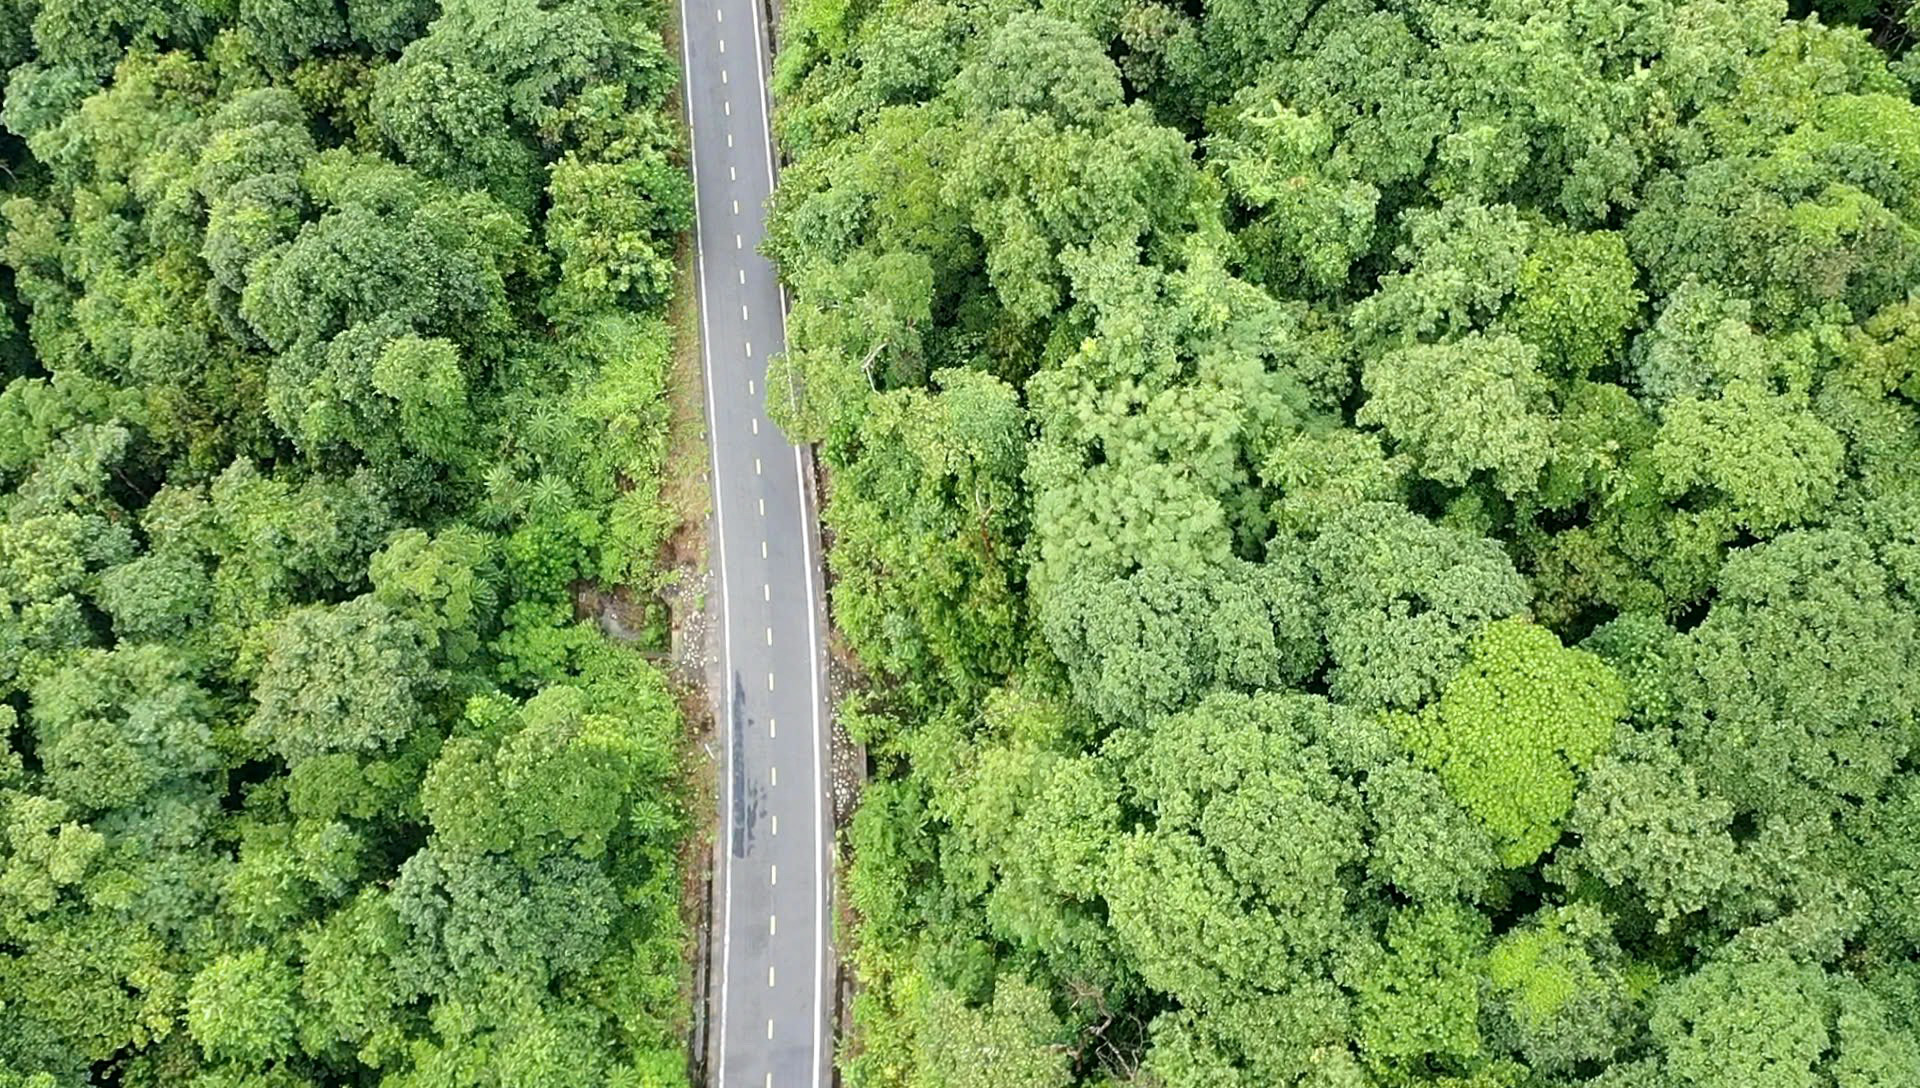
(1386, 534)
(334, 359)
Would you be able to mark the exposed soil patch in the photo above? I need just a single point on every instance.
(641, 620)
(686, 487)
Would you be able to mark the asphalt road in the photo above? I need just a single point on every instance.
(769, 1024)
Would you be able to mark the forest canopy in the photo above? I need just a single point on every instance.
(1383, 535)
(333, 348)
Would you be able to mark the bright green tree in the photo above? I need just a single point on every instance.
(1511, 730)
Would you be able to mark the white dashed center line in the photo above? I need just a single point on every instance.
(769, 636)
(763, 508)
(763, 549)
(723, 77)
(756, 466)
(727, 107)
(756, 424)
(769, 1032)
(723, 45)
(776, 825)
(773, 728)
(769, 976)
(773, 924)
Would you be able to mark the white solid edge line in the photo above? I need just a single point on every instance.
(766, 117)
(766, 99)
(813, 625)
(819, 826)
(713, 454)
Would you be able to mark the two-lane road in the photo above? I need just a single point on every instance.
(769, 1026)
